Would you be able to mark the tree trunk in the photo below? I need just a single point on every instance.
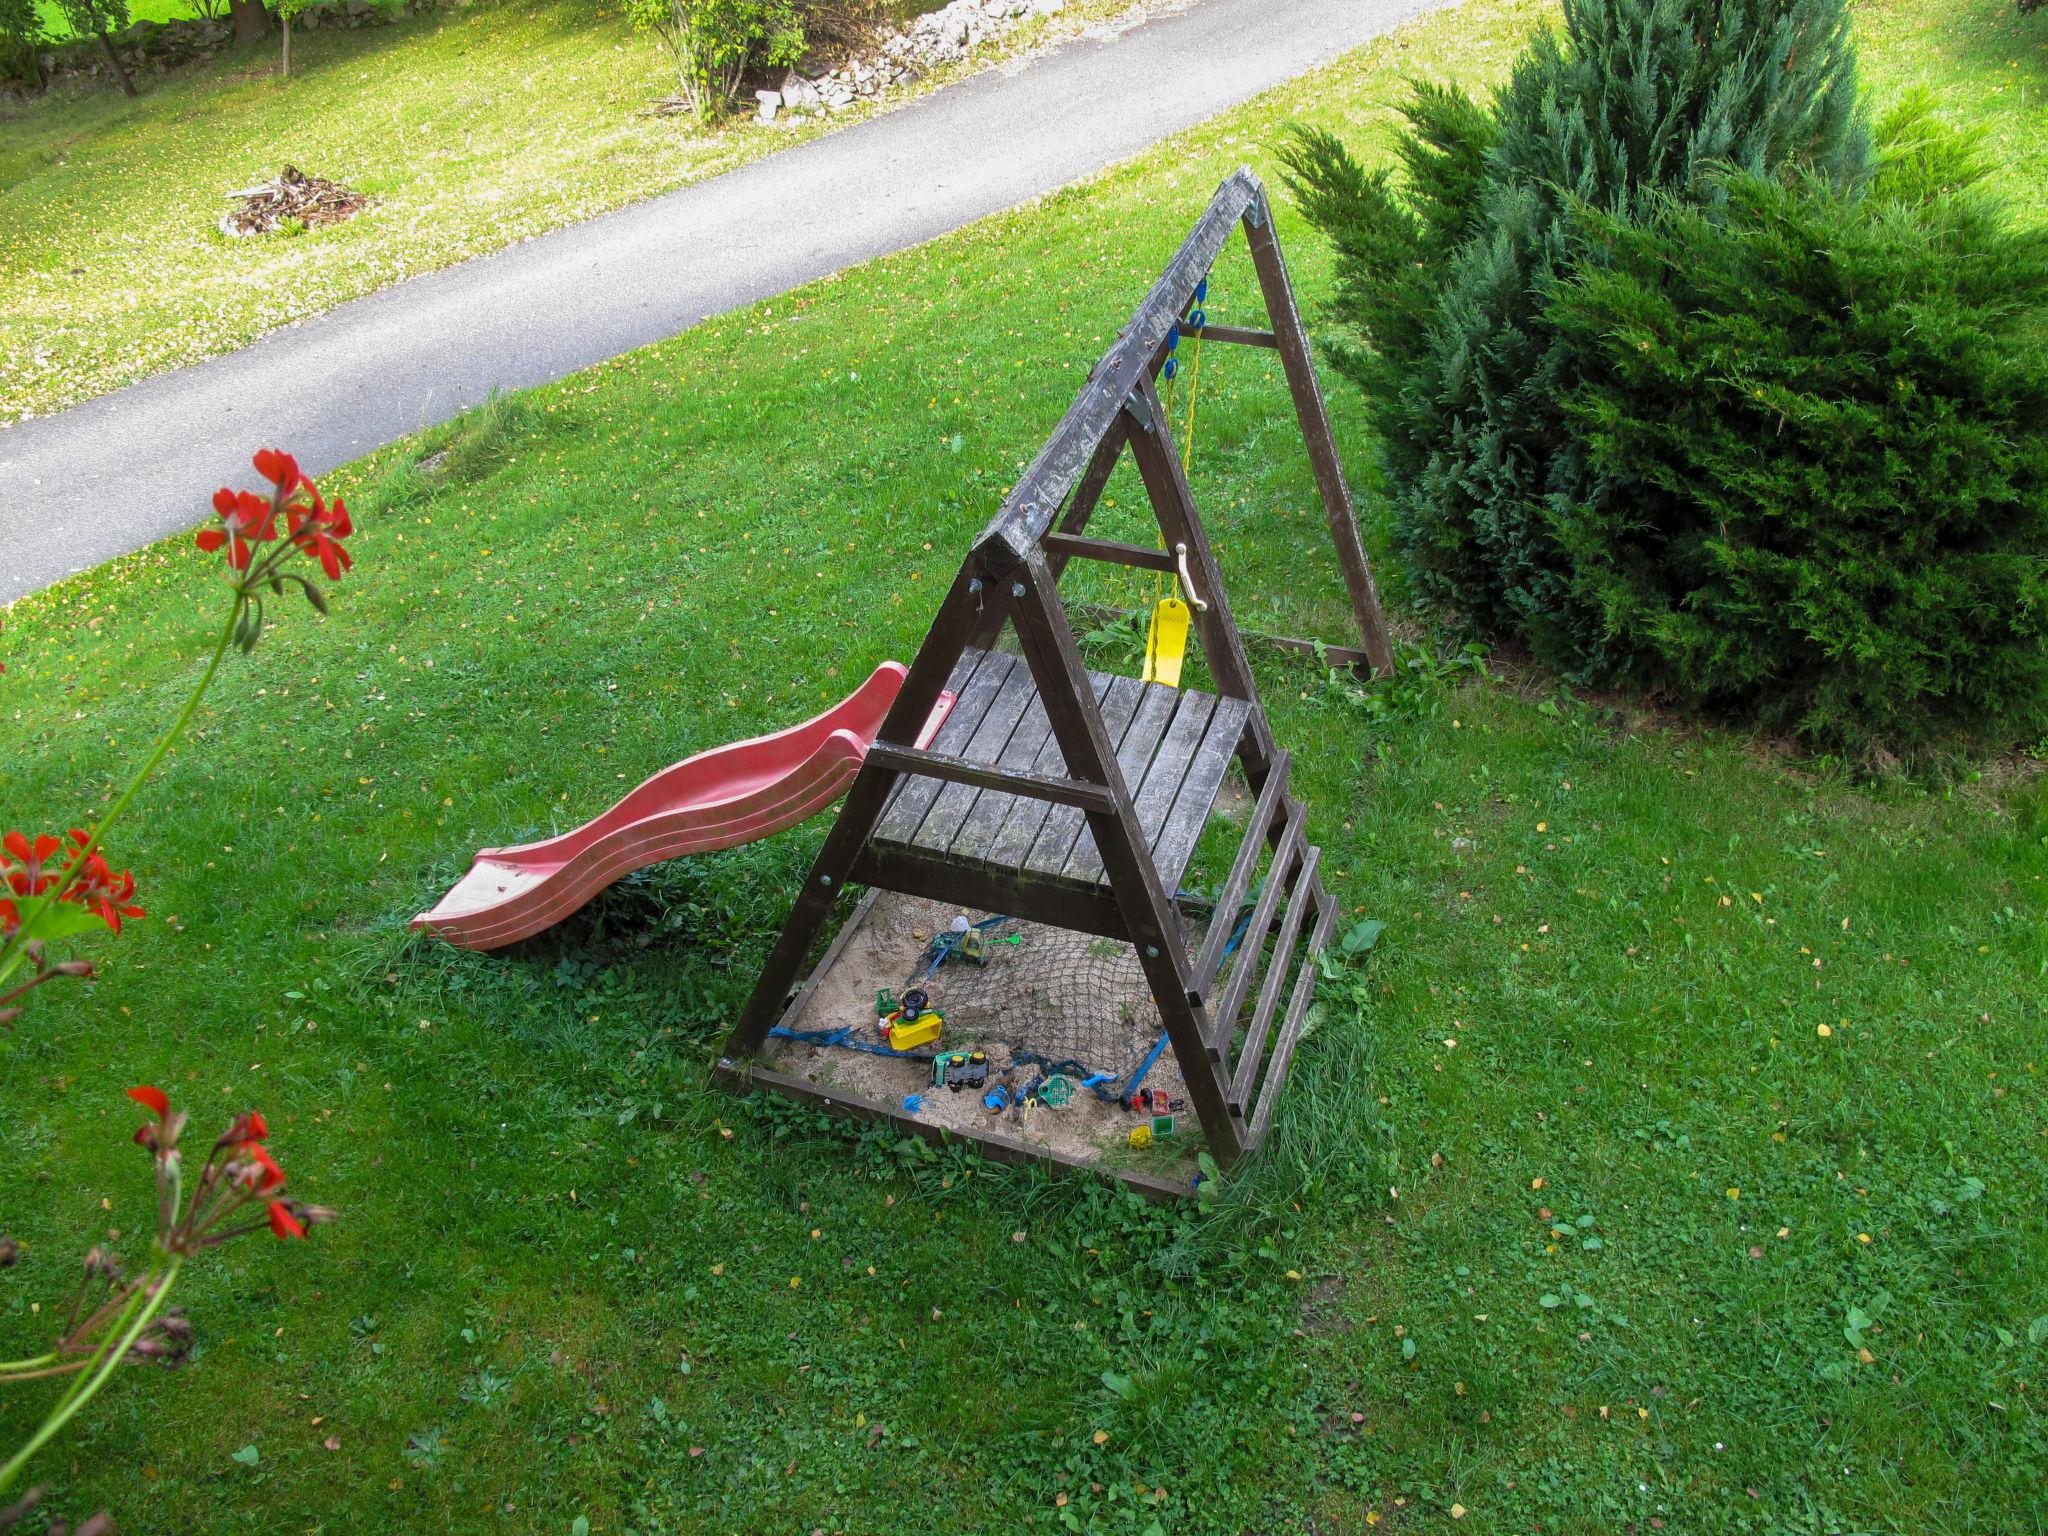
(120, 69)
(252, 22)
(285, 21)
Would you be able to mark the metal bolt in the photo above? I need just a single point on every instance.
(1016, 589)
(974, 583)
(1151, 951)
(824, 879)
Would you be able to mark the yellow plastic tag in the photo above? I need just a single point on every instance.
(1166, 642)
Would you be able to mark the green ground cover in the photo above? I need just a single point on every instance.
(1575, 1219)
(472, 129)
(58, 26)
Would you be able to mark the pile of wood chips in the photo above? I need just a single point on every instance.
(312, 200)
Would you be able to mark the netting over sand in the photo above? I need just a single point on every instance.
(1048, 998)
(1071, 1002)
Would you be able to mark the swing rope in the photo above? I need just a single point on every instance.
(1197, 318)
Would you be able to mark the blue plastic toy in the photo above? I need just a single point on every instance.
(913, 1102)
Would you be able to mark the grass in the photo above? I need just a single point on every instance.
(57, 26)
(472, 129)
(1607, 1260)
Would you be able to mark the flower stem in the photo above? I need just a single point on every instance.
(11, 1367)
(170, 737)
(103, 1366)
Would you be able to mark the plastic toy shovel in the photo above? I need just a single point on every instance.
(1166, 642)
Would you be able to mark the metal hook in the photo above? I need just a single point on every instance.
(1187, 582)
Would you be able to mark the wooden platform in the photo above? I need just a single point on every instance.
(1174, 747)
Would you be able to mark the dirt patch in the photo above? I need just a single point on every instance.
(311, 201)
(880, 952)
(1323, 1311)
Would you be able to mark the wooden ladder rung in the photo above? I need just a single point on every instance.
(1291, 1027)
(1279, 875)
(1307, 893)
(1271, 798)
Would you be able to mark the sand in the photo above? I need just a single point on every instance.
(881, 951)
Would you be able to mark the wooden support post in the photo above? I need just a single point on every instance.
(863, 808)
(1314, 417)
(1153, 924)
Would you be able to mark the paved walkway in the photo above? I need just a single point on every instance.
(115, 473)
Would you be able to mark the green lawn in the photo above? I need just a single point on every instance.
(471, 128)
(572, 1282)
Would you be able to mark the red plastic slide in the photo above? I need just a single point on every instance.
(719, 798)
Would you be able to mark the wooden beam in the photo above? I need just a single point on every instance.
(869, 793)
(1015, 531)
(1290, 1031)
(1279, 875)
(744, 1076)
(1272, 798)
(1154, 926)
(1236, 335)
(959, 770)
(1310, 411)
(1075, 546)
(1307, 893)
(969, 887)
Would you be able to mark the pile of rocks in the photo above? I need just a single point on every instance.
(935, 39)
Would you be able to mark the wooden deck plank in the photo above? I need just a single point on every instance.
(1055, 838)
(985, 819)
(985, 746)
(1174, 748)
(1154, 794)
(974, 682)
(1143, 750)
(1013, 839)
(1173, 847)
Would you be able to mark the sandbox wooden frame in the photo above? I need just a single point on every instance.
(991, 815)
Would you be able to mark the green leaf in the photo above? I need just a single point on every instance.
(1408, 1349)
(1550, 1299)
(2037, 1330)
(248, 1456)
(580, 1526)
(1122, 1386)
(1362, 935)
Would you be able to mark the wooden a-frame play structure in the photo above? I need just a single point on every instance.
(1075, 799)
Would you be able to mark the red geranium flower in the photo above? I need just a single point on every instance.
(266, 1174)
(318, 529)
(282, 1222)
(25, 877)
(97, 888)
(245, 517)
(153, 1099)
(279, 468)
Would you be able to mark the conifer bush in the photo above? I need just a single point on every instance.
(1819, 423)
(1444, 277)
(1678, 386)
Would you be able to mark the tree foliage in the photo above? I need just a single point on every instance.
(21, 41)
(101, 19)
(714, 41)
(1818, 421)
(1443, 276)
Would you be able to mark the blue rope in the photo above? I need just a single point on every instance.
(850, 1039)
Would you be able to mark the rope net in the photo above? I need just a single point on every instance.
(1064, 1001)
